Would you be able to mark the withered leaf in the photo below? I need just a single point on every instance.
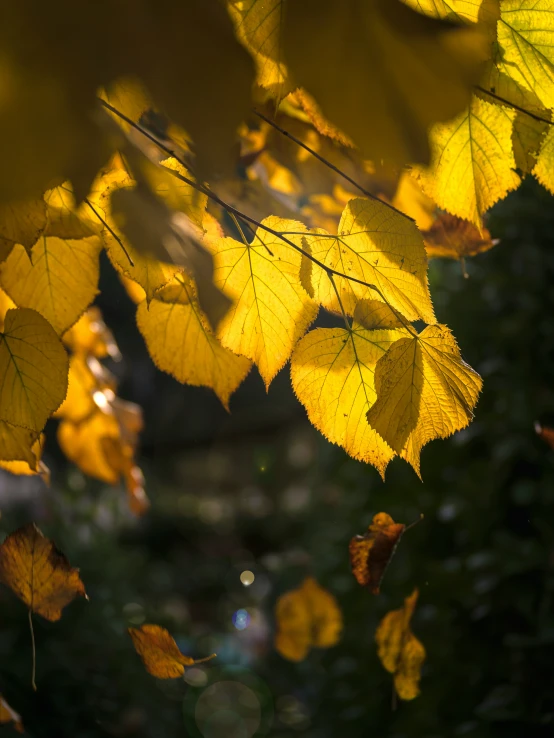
(371, 553)
(546, 433)
(454, 238)
(307, 617)
(38, 573)
(159, 652)
(400, 652)
(9, 715)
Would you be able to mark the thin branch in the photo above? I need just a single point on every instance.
(114, 234)
(34, 670)
(514, 106)
(328, 163)
(343, 311)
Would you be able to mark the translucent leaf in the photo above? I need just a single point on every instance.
(175, 329)
(59, 282)
(424, 391)
(33, 367)
(544, 169)
(270, 310)
(159, 652)
(21, 222)
(454, 238)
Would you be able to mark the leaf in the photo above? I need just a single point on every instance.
(373, 314)
(307, 617)
(21, 222)
(400, 652)
(377, 246)
(390, 73)
(33, 367)
(410, 199)
(175, 330)
(86, 377)
(453, 238)
(546, 433)
(332, 375)
(9, 715)
(371, 553)
(544, 168)
(38, 573)
(270, 310)
(59, 282)
(424, 391)
(159, 652)
(65, 219)
(527, 138)
(484, 12)
(29, 467)
(258, 28)
(91, 336)
(473, 163)
(525, 39)
(16, 443)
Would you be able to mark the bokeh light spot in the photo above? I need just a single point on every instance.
(247, 578)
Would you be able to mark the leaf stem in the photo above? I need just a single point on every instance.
(514, 106)
(34, 650)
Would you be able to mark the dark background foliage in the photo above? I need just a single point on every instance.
(261, 490)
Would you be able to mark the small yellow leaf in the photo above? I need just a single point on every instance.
(175, 329)
(472, 164)
(159, 652)
(390, 72)
(21, 222)
(9, 715)
(377, 246)
(332, 375)
(307, 617)
(400, 652)
(38, 573)
(271, 310)
(34, 366)
(424, 391)
(59, 281)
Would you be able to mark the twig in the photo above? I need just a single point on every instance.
(514, 106)
(33, 672)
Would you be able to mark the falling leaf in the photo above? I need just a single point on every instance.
(159, 652)
(21, 223)
(546, 433)
(59, 280)
(307, 617)
(332, 373)
(371, 553)
(454, 238)
(472, 164)
(175, 329)
(390, 73)
(270, 310)
(34, 366)
(38, 573)
(400, 652)
(9, 715)
(424, 391)
(377, 246)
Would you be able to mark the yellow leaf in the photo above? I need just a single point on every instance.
(473, 162)
(373, 314)
(544, 168)
(332, 375)
(65, 219)
(400, 652)
(410, 199)
(307, 617)
(377, 246)
(175, 329)
(6, 303)
(270, 310)
(59, 282)
(258, 28)
(453, 238)
(424, 391)
(484, 12)
(525, 33)
(91, 336)
(33, 367)
(16, 443)
(28, 468)
(390, 72)
(38, 573)
(86, 376)
(133, 289)
(159, 652)
(21, 222)
(527, 138)
(9, 715)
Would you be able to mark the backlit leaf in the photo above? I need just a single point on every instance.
(181, 342)
(270, 310)
(389, 74)
(424, 391)
(65, 219)
(400, 652)
(332, 373)
(472, 164)
(33, 367)
(377, 246)
(90, 335)
(59, 281)
(454, 238)
(38, 573)
(159, 652)
(544, 169)
(484, 12)
(16, 443)
(307, 617)
(371, 552)
(21, 222)
(28, 468)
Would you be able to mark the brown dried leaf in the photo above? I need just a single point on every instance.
(454, 238)
(371, 553)
(159, 652)
(9, 715)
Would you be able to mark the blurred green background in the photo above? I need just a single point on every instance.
(261, 490)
